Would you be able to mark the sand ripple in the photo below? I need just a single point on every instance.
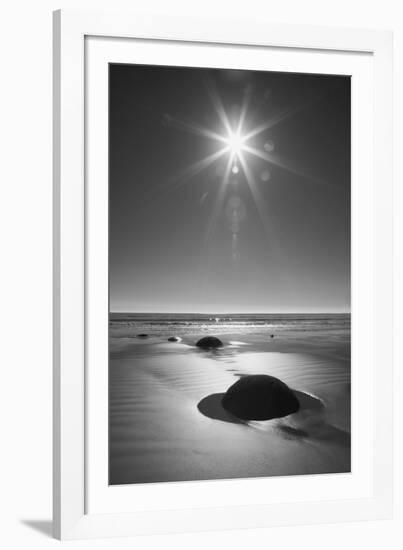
(166, 423)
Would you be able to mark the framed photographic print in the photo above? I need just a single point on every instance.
(223, 274)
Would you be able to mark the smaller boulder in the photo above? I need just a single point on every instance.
(174, 339)
(142, 335)
(209, 342)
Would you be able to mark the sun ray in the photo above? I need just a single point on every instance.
(280, 117)
(219, 107)
(271, 122)
(219, 201)
(257, 196)
(271, 158)
(195, 129)
(198, 166)
(184, 176)
(244, 110)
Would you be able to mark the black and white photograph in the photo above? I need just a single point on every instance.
(229, 274)
(202, 260)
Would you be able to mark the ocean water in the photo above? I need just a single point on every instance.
(160, 325)
(165, 421)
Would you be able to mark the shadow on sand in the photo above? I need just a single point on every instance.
(211, 407)
(309, 421)
(308, 402)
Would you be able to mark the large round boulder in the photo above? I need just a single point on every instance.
(209, 342)
(260, 397)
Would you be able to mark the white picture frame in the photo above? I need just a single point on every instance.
(75, 389)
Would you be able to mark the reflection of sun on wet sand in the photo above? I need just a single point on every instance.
(168, 423)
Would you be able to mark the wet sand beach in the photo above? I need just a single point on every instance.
(167, 422)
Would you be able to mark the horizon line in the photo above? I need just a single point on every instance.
(237, 312)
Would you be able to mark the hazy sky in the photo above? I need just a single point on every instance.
(286, 249)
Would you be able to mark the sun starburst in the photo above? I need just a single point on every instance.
(238, 142)
(235, 142)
